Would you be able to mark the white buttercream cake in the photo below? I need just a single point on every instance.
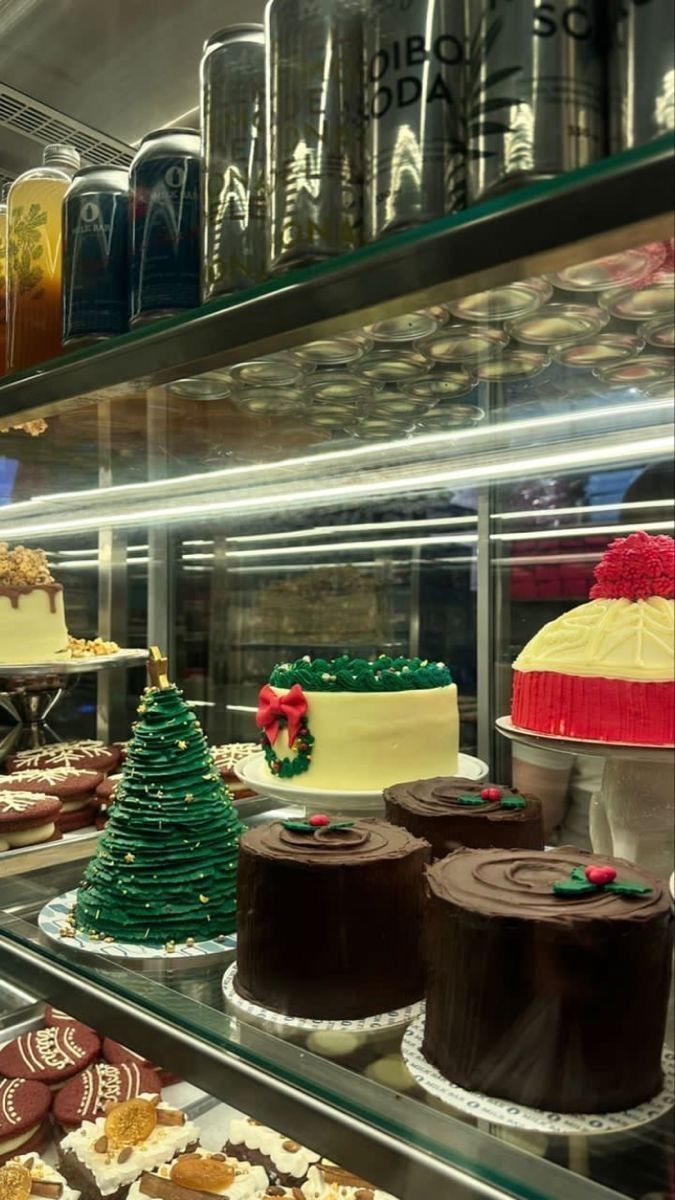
(32, 616)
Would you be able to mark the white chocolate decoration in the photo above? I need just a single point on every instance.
(610, 639)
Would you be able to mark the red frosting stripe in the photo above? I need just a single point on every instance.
(612, 710)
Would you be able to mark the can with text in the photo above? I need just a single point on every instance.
(414, 143)
(95, 254)
(535, 90)
(314, 129)
(234, 207)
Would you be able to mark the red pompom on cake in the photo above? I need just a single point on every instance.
(604, 671)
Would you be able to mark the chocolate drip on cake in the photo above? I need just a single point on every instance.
(435, 809)
(330, 920)
(557, 1001)
(14, 594)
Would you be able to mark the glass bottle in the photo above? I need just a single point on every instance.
(3, 279)
(34, 258)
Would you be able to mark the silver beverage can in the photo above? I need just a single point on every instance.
(234, 208)
(314, 129)
(415, 150)
(535, 90)
(641, 71)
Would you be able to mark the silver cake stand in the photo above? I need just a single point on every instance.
(28, 693)
(633, 814)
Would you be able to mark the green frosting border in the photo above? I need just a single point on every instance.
(345, 674)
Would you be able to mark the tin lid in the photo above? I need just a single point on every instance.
(451, 416)
(269, 401)
(652, 300)
(332, 352)
(612, 271)
(232, 31)
(502, 303)
(83, 171)
(58, 155)
(455, 381)
(275, 370)
(463, 343)
(659, 331)
(639, 372)
(555, 324)
(390, 366)
(513, 364)
(604, 348)
(407, 328)
(213, 385)
(337, 386)
(167, 131)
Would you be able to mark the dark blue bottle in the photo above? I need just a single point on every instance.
(95, 255)
(165, 243)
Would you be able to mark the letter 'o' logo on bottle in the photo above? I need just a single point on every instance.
(174, 177)
(90, 212)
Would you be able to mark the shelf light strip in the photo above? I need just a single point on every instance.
(355, 454)
(646, 448)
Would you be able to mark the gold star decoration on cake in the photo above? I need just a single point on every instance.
(129, 857)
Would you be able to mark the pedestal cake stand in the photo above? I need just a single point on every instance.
(633, 814)
(28, 693)
(253, 772)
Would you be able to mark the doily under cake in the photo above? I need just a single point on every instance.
(376, 1024)
(519, 1116)
(56, 912)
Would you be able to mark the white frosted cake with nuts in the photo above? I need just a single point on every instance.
(32, 616)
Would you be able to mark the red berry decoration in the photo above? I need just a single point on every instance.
(319, 820)
(491, 793)
(600, 875)
(635, 568)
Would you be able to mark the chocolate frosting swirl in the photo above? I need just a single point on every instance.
(439, 797)
(519, 883)
(367, 840)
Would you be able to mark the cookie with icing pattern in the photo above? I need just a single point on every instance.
(50, 1055)
(85, 755)
(85, 1096)
(24, 1106)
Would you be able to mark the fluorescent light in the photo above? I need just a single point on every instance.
(579, 531)
(326, 530)
(575, 458)
(355, 454)
(587, 508)
(331, 547)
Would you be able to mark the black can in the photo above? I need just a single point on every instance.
(165, 252)
(234, 200)
(641, 71)
(95, 255)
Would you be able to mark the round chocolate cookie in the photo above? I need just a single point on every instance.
(24, 1105)
(85, 755)
(116, 1053)
(456, 812)
(27, 818)
(85, 1096)
(330, 917)
(51, 1055)
(549, 975)
(55, 1016)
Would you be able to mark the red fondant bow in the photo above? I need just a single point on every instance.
(272, 709)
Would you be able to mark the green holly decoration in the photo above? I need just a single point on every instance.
(313, 826)
(512, 802)
(165, 868)
(470, 801)
(579, 884)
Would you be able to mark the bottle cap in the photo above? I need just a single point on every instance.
(58, 155)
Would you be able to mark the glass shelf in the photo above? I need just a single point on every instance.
(410, 1145)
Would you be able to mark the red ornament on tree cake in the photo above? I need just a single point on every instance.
(604, 671)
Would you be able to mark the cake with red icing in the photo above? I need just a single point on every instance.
(604, 671)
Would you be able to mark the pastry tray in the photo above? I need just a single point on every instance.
(71, 847)
(74, 666)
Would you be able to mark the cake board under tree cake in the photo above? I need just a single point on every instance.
(162, 882)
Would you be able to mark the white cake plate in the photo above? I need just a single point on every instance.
(73, 666)
(519, 1116)
(633, 814)
(55, 913)
(253, 771)
(246, 1008)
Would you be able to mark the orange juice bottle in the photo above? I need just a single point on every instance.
(34, 258)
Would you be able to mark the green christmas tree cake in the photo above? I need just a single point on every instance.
(166, 866)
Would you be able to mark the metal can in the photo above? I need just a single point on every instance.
(234, 205)
(165, 251)
(641, 71)
(535, 91)
(415, 152)
(95, 255)
(314, 129)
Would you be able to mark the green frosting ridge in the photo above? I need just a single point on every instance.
(165, 868)
(345, 674)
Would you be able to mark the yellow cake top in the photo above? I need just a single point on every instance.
(610, 638)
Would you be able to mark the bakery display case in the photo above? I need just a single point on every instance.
(315, 493)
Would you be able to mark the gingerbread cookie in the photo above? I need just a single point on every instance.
(24, 1105)
(85, 1096)
(27, 818)
(51, 1055)
(86, 755)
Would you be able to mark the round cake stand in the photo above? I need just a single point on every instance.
(253, 772)
(54, 916)
(511, 1120)
(633, 814)
(29, 693)
(280, 1023)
